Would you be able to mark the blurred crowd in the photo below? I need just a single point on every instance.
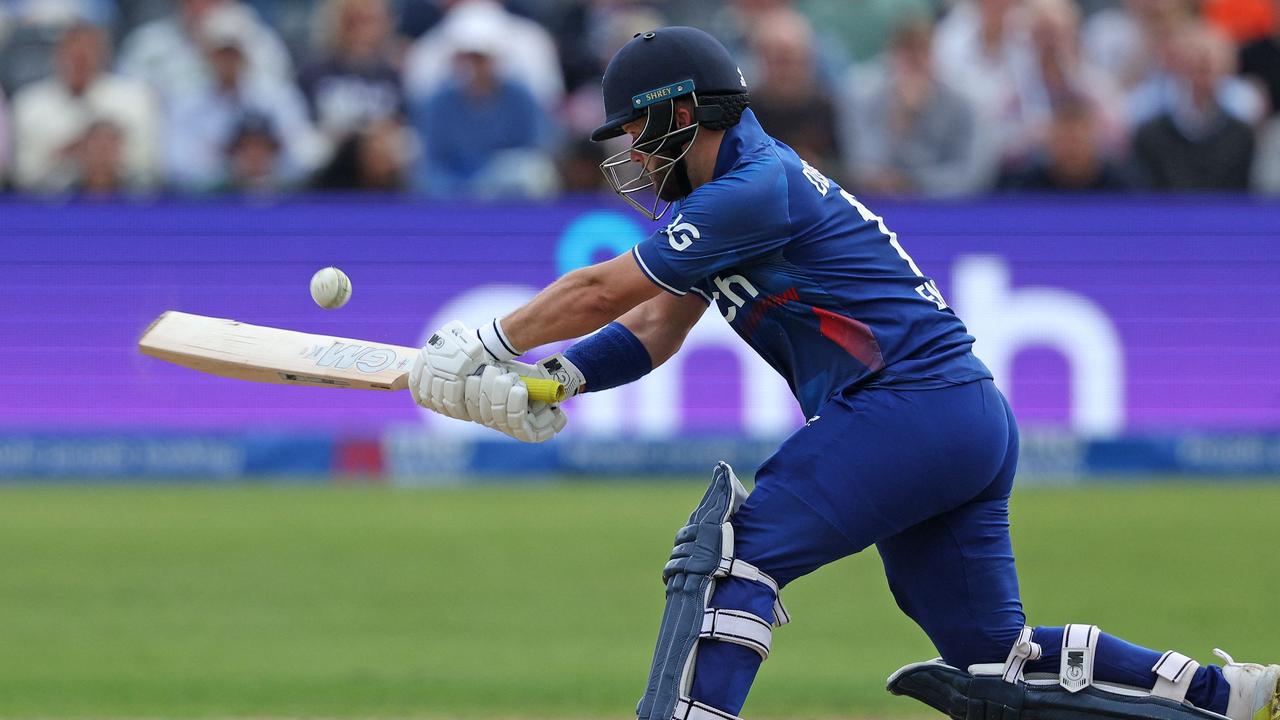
(485, 99)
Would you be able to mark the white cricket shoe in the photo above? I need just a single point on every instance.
(1255, 689)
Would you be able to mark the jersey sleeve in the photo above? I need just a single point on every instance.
(731, 221)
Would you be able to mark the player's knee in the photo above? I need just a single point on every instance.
(738, 594)
(976, 646)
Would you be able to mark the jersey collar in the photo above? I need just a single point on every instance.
(739, 140)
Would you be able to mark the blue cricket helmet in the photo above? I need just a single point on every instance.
(664, 64)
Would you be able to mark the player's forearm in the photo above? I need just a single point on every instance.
(576, 304)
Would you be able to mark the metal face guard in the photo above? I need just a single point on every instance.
(656, 144)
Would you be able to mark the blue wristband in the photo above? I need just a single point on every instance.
(612, 357)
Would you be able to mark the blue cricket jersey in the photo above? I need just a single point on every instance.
(808, 276)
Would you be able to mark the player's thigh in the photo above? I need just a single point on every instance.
(780, 534)
(877, 462)
(954, 574)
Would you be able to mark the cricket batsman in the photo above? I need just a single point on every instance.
(909, 445)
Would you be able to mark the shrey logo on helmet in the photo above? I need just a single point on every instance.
(644, 82)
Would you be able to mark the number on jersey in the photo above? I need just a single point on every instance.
(928, 289)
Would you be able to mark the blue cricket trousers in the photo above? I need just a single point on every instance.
(925, 476)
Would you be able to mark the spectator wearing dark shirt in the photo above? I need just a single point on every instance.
(1196, 144)
(354, 82)
(1071, 160)
(1260, 59)
(373, 159)
(788, 96)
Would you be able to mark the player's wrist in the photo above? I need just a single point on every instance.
(496, 343)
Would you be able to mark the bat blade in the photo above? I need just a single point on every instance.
(233, 349)
(228, 348)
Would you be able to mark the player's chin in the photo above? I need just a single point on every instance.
(668, 189)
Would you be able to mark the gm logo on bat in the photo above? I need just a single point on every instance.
(365, 358)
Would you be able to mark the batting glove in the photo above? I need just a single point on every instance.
(439, 374)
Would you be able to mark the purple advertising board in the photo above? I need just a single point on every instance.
(1102, 316)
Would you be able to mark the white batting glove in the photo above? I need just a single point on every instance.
(438, 377)
(498, 399)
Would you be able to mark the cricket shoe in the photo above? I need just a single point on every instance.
(1255, 689)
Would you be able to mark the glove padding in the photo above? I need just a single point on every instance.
(497, 398)
(438, 377)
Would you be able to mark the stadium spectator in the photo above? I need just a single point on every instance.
(204, 119)
(787, 95)
(908, 130)
(482, 132)
(1196, 144)
(355, 81)
(1071, 160)
(99, 159)
(527, 52)
(373, 159)
(29, 32)
(1159, 91)
(1063, 75)
(1260, 60)
(52, 115)
(1129, 42)
(169, 52)
(983, 48)
(1266, 170)
(736, 22)
(253, 157)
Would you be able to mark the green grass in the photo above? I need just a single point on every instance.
(534, 601)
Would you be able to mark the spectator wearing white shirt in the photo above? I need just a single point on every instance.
(52, 115)
(983, 48)
(168, 53)
(203, 120)
(528, 54)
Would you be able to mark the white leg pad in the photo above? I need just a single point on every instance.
(1174, 672)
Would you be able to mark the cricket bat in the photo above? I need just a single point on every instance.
(264, 354)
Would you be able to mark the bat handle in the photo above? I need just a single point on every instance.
(543, 389)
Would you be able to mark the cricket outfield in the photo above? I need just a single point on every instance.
(522, 601)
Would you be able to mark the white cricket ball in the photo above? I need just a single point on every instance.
(330, 288)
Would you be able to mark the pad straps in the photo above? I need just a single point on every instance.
(689, 709)
(733, 567)
(737, 626)
(1079, 646)
(1174, 672)
(1022, 651)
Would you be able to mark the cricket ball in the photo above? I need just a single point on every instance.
(330, 288)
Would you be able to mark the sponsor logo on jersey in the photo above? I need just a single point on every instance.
(733, 299)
